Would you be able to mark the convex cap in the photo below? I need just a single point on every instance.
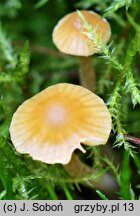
(53, 123)
(68, 38)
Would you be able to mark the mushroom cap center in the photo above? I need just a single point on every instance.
(77, 24)
(56, 114)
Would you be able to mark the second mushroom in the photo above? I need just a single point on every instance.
(68, 39)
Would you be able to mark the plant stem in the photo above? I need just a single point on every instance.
(86, 73)
(133, 139)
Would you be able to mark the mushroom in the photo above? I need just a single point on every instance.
(68, 39)
(53, 123)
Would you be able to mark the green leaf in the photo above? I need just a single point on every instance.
(41, 3)
(2, 194)
(101, 195)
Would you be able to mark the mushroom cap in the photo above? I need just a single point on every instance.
(68, 38)
(53, 123)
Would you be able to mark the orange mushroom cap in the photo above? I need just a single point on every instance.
(53, 123)
(68, 38)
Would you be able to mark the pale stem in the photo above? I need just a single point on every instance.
(87, 73)
(77, 169)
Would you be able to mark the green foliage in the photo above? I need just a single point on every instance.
(101, 195)
(10, 7)
(131, 85)
(22, 67)
(87, 4)
(116, 4)
(6, 52)
(125, 177)
(40, 3)
(29, 63)
(13, 69)
(2, 194)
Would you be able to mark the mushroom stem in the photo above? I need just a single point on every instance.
(76, 169)
(87, 73)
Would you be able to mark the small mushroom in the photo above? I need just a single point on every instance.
(68, 39)
(53, 123)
